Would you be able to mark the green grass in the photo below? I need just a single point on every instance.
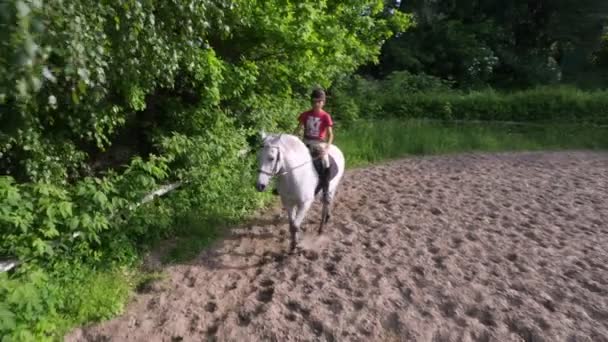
(196, 231)
(370, 142)
(194, 234)
(43, 305)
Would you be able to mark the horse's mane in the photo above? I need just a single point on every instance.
(287, 141)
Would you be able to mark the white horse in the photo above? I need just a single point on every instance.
(286, 156)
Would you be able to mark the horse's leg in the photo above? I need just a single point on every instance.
(327, 200)
(324, 215)
(293, 231)
(300, 214)
(327, 213)
(328, 203)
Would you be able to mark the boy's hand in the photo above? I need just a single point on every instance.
(296, 131)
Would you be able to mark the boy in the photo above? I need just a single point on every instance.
(318, 133)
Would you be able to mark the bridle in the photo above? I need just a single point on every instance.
(275, 171)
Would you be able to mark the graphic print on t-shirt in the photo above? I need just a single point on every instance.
(313, 127)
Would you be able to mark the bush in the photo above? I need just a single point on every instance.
(548, 105)
(404, 95)
(355, 97)
(40, 305)
(403, 83)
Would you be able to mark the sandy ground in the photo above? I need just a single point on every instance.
(475, 247)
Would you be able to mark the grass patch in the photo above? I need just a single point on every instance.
(194, 233)
(146, 280)
(369, 142)
(44, 305)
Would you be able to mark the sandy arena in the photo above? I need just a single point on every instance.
(469, 247)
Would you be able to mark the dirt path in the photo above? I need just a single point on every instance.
(478, 247)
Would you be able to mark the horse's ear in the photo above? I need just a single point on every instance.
(263, 136)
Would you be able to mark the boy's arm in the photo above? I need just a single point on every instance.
(330, 136)
(330, 131)
(296, 131)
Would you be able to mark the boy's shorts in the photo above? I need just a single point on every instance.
(317, 148)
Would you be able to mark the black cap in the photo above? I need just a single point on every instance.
(318, 94)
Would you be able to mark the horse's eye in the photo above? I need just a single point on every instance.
(270, 158)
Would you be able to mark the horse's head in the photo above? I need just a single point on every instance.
(269, 161)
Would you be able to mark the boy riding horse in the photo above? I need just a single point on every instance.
(318, 133)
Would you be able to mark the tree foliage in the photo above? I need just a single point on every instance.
(516, 43)
(103, 101)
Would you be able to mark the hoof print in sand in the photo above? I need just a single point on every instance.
(418, 270)
(210, 307)
(212, 329)
(358, 305)
(393, 324)
(295, 306)
(265, 295)
(481, 336)
(444, 335)
(434, 249)
(266, 282)
(550, 305)
(511, 257)
(310, 255)
(448, 308)
(365, 327)
(484, 316)
(439, 259)
(316, 326)
(436, 211)
(290, 316)
(331, 268)
(527, 333)
(471, 236)
(333, 304)
(244, 317)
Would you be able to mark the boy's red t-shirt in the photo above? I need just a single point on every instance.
(315, 124)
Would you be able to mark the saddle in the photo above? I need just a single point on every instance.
(333, 171)
(318, 164)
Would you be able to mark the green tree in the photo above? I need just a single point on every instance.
(100, 102)
(516, 43)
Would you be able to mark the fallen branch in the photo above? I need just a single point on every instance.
(7, 265)
(156, 193)
(243, 152)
